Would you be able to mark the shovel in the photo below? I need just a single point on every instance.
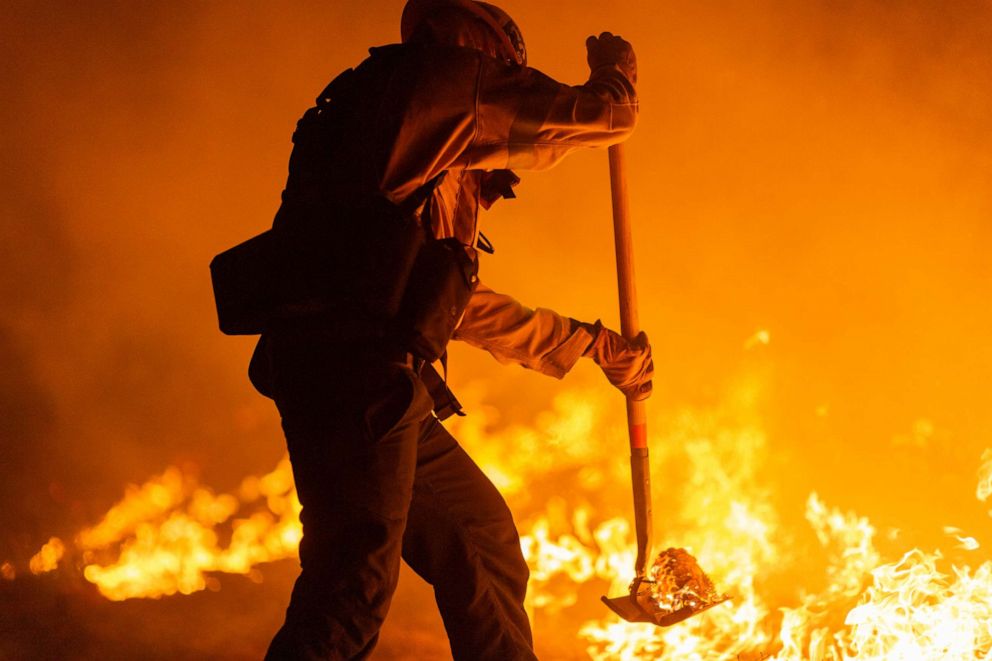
(673, 588)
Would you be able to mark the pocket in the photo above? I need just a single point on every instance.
(381, 474)
(400, 398)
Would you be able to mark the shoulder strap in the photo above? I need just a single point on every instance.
(445, 402)
(419, 197)
(337, 88)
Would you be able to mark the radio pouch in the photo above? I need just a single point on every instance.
(441, 283)
(246, 283)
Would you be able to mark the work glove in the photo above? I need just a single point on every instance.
(610, 50)
(626, 363)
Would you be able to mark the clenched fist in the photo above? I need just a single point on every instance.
(608, 49)
(626, 363)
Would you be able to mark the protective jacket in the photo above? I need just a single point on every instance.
(413, 111)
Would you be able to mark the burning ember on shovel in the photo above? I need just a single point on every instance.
(675, 588)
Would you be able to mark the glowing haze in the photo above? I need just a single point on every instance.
(812, 187)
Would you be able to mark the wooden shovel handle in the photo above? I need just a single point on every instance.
(630, 327)
(630, 324)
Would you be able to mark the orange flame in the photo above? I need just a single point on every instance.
(47, 558)
(168, 531)
(984, 489)
(171, 535)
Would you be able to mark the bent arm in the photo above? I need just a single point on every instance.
(528, 121)
(462, 110)
(538, 339)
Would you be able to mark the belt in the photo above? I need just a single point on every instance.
(411, 361)
(386, 349)
(345, 342)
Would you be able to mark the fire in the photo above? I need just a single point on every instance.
(965, 543)
(984, 489)
(678, 583)
(912, 610)
(761, 337)
(174, 535)
(47, 558)
(165, 537)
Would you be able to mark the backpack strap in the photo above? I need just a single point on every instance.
(337, 88)
(445, 402)
(419, 198)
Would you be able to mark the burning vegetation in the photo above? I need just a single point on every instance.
(818, 168)
(174, 536)
(679, 583)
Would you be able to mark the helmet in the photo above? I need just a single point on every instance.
(510, 30)
(509, 42)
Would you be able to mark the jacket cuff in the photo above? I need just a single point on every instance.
(559, 362)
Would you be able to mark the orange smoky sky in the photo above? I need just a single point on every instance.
(818, 170)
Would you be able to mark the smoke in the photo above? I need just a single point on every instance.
(820, 170)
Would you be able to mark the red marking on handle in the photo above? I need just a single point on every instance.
(638, 435)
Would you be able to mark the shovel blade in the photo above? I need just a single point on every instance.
(631, 610)
(628, 609)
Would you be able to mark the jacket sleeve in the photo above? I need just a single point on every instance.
(458, 109)
(528, 121)
(541, 339)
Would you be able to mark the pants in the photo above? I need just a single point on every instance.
(380, 478)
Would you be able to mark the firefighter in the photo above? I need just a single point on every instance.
(429, 128)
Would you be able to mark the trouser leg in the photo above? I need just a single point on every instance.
(460, 537)
(353, 448)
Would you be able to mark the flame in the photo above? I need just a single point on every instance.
(762, 337)
(173, 535)
(914, 611)
(47, 558)
(965, 542)
(677, 582)
(984, 489)
(166, 536)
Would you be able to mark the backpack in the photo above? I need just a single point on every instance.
(377, 264)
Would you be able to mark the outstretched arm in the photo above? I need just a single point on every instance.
(538, 339)
(545, 341)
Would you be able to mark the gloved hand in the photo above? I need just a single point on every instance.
(608, 49)
(626, 363)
